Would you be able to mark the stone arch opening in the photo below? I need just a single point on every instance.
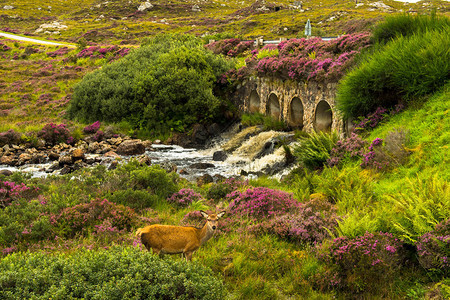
(323, 118)
(254, 102)
(273, 106)
(296, 112)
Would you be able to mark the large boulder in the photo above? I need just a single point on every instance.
(220, 156)
(131, 147)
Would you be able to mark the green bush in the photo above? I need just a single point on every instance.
(137, 199)
(406, 68)
(167, 84)
(155, 179)
(406, 25)
(314, 151)
(117, 273)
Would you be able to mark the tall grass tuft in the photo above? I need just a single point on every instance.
(314, 151)
(405, 69)
(407, 25)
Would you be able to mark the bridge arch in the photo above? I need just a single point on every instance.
(296, 112)
(254, 102)
(273, 106)
(323, 117)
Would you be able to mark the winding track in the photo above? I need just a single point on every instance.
(31, 40)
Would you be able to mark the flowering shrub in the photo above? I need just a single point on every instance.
(93, 128)
(218, 191)
(83, 217)
(351, 147)
(392, 153)
(98, 136)
(373, 119)
(310, 59)
(230, 47)
(9, 137)
(363, 262)
(97, 52)
(10, 191)
(60, 52)
(53, 134)
(433, 248)
(309, 225)
(184, 197)
(261, 203)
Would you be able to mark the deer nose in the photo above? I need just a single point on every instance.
(214, 227)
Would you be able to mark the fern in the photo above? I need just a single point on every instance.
(423, 204)
(314, 151)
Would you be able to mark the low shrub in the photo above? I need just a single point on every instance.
(53, 134)
(152, 178)
(433, 249)
(10, 191)
(261, 203)
(81, 218)
(117, 273)
(93, 128)
(218, 191)
(312, 223)
(314, 151)
(10, 137)
(362, 264)
(136, 199)
(184, 197)
(389, 155)
(350, 148)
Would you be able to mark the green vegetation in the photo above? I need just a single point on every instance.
(405, 69)
(118, 273)
(164, 85)
(362, 217)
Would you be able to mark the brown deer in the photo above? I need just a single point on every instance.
(167, 239)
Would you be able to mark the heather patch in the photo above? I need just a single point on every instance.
(54, 134)
(184, 197)
(260, 203)
(11, 191)
(361, 264)
(433, 249)
(82, 218)
(311, 223)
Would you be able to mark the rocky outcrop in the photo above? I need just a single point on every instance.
(131, 147)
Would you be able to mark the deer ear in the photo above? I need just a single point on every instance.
(220, 215)
(205, 215)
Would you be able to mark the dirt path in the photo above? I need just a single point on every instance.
(31, 40)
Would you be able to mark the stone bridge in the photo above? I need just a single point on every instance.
(307, 106)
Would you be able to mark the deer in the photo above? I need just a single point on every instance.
(168, 239)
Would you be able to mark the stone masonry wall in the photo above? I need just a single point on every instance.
(276, 97)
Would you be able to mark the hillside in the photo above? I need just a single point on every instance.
(361, 216)
(121, 22)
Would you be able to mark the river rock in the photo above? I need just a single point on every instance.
(115, 141)
(38, 158)
(147, 144)
(220, 156)
(53, 156)
(65, 170)
(9, 160)
(144, 160)
(6, 172)
(199, 133)
(169, 167)
(65, 160)
(204, 179)
(131, 147)
(201, 166)
(111, 154)
(24, 158)
(77, 154)
(93, 147)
